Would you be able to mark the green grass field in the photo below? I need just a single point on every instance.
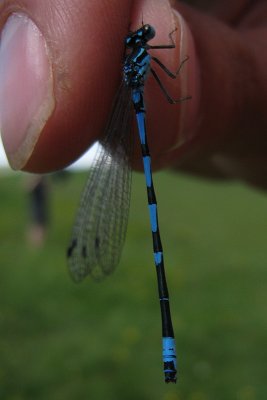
(59, 340)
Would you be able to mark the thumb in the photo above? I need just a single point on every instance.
(56, 76)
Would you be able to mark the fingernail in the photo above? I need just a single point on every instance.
(26, 88)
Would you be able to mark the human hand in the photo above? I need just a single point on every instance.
(56, 93)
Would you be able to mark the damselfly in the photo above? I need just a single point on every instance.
(99, 231)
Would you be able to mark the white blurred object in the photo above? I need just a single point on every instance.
(84, 162)
(3, 159)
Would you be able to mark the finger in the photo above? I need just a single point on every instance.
(230, 12)
(168, 125)
(233, 91)
(225, 10)
(59, 68)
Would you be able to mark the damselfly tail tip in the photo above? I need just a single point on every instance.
(169, 379)
(170, 372)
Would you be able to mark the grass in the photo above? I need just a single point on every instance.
(59, 340)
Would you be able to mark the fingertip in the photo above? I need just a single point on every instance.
(169, 126)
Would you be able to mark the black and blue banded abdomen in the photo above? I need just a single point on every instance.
(168, 341)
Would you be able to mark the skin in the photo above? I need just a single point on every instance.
(225, 123)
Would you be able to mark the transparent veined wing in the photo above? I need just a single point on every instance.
(100, 226)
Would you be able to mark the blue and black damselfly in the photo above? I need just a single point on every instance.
(99, 231)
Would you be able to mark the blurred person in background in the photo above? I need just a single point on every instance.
(38, 209)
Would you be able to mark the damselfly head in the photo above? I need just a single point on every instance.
(148, 32)
(140, 37)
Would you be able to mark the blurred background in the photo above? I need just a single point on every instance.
(60, 340)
